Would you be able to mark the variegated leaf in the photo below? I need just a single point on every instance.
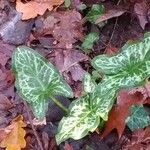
(37, 79)
(79, 122)
(139, 118)
(130, 67)
(103, 97)
(88, 84)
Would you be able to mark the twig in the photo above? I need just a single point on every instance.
(114, 28)
(32, 126)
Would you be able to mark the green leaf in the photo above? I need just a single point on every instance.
(88, 84)
(37, 79)
(85, 113)
(79, 122)
(95, 12)
(89, 41)
(139, 118)
(103, 97)
(130, 67)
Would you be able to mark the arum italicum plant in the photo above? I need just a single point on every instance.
(37, 80)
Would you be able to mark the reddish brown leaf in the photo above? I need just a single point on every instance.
(111, 50)
(65, 26)
(140, 140)
(68, 146)
(144, 90)
(5, 103)
(111, 13)
(119, 113)
(141, 10)
(68, 61)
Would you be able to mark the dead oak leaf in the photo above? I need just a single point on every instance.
(33, 8)
(14, 140)
(120, 112)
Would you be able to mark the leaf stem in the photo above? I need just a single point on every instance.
(59, 104)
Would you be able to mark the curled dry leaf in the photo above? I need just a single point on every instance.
(110, 14)
(37, 7)
(15, 139)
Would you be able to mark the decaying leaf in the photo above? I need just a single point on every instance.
(140, 140)
(69, 29)
(109, 14)
(120, 112)
(37, 7)
(141, 11)
(65, 26)
(68, 61)
(5, 103)
(144, 90)
(15, 135)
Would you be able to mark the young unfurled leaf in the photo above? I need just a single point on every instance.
(15, 139)
(89, 41)
(130, 67)
(88, 84)
(139, 118)
(79, 122)
(37, 79)
(95, 12)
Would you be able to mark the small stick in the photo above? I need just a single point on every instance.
(32, 126)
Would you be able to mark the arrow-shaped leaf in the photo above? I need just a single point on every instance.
(79, 122)
(129, 68)
(37, 79)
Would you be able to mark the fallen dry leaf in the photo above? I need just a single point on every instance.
(141, 11)
(69, 29)
(5, 103)
(140, 140)
(37, 7)
(68, 146)
(68, 61)
(120, 112)
(65, 26)
(110, 14)
(15, 135)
